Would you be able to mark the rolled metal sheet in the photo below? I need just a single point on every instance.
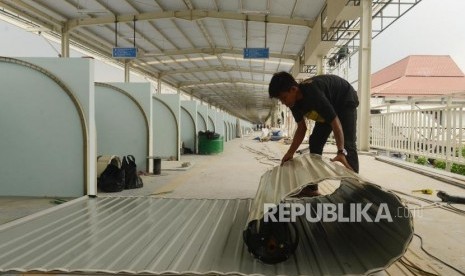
(354, 243)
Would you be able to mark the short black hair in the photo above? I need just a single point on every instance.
(280, 82)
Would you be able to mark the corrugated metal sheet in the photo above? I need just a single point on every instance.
(284, 181)
(202, 236)
(167, 236)
(356, 247)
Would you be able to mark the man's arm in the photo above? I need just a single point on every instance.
(299, 136)
(339, 136)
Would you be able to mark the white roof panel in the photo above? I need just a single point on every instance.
(169, 31)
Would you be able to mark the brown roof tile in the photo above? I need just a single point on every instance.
(419, 75)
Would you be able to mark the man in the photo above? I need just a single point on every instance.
(330, 101)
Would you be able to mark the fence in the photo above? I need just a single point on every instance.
(436, 133)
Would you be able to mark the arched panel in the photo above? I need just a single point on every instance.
(188, 132)
(226, 137)
(230, 131)
(43, 145)
(219, 126)
(122, 127)
(210, 124)
(202, 123)
(165, 130)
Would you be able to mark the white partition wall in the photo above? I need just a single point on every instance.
(226, 133)
(211, 121)
(202, 117)
(189, 124)
(166, 125)
(123, 118)
(219, 123)
(231, 129)
(47, 137)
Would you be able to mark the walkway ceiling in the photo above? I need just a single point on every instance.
(194, 45)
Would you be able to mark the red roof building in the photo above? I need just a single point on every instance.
(419, 75)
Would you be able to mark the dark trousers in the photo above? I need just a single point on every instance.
(320, 134)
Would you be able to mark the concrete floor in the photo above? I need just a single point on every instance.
(236, 174)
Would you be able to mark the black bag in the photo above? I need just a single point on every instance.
(112, 178)
(271, 242)
(132, 180)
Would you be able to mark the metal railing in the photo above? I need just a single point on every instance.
(436, 133)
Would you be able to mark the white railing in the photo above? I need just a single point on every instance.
(436, 133)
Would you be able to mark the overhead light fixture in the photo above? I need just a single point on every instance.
(34, 29)
(259, 60)
(266, 12)
(181, 60)
(92, 11)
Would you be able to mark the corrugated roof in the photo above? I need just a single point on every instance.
(419, 75)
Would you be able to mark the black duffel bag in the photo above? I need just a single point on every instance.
(132, 179)
(112, 178)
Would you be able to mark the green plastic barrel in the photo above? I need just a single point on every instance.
(210, 146)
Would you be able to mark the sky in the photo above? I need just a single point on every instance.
(432, 27)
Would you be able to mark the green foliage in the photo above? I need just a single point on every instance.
(459, 169)
(421, 160)
(439, 164)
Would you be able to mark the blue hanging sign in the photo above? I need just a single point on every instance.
(124, 52)
(256, 52)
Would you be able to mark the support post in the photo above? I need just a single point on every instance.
(65, 42)
(449, 136)
(159, 85)
(411, 130)
(320, 66)
(364, 74)
(126, 70)
(387, 130)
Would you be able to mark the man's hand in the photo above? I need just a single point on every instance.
(288, 156)
(342, 158)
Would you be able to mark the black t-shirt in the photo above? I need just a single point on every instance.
(323, 97)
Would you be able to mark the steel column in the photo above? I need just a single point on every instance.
(364, 74)
(65, 43)
(126, 70)
(320, 70)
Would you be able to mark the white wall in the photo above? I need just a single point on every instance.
(43, 136)
(189, 124)
(122, 123)
(202, 117)
(211, 122)
(166, 125)
(219, 123)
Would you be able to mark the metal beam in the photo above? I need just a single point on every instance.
(127, 69)
(232, 81)
(14, 10)
(65, 42)
(215, 68)
(210, 51)
(190, 15)
(26, 10)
